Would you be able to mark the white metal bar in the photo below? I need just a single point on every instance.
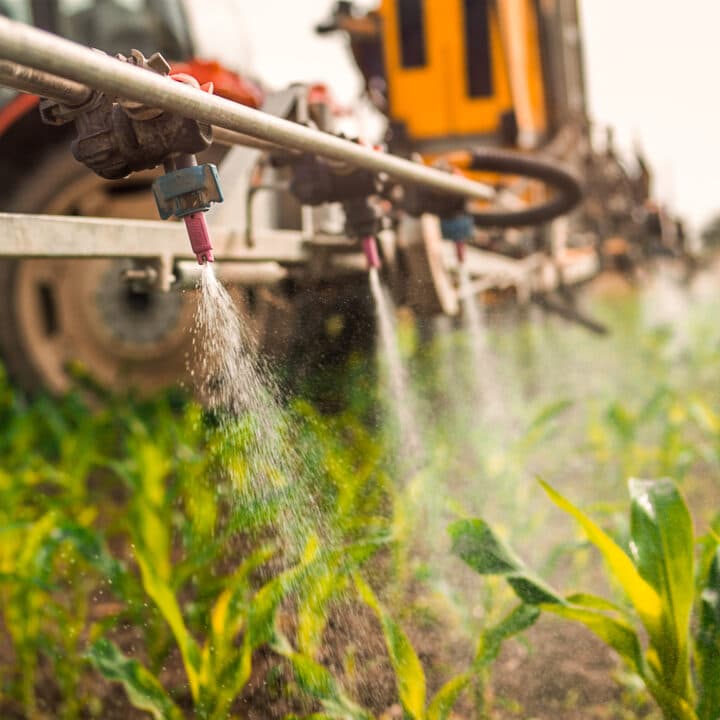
(50, 53)
(54, 236)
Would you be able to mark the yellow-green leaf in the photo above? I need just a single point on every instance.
(447, 696)
(491, 639)
(642, 595)
(142, 687)
(406, 664)
(662, 546)
(708, 642)
(318, 682)
(163, 596)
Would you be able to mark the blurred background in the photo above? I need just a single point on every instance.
(649, 66)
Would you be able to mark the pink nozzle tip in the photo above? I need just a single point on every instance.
(370, 249)
(199, 235)
(460, 249)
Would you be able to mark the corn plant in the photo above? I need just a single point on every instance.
(179, 528)
(678, 665)
(52, 558)
(317, 682)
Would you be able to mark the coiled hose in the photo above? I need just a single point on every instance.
(567, 187)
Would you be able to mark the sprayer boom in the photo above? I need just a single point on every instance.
(49, 53)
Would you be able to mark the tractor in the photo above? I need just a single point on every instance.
(489, 89)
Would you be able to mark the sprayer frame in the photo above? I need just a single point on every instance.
(34, 58)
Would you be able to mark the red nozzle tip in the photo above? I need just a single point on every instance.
(460, 251)
(370, 249)
(199, 235)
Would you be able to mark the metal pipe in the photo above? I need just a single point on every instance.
(50, 53)
(248, 274)
(37, 82)
(230, 137)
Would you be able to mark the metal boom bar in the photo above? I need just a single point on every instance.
(52, 54)
(37, 82)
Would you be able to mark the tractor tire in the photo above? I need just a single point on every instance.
(56, 315)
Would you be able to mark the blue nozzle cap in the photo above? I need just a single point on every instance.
(187, 191)
(458, 229)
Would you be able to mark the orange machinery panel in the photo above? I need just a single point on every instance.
(452, 70)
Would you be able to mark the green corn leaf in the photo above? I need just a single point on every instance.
(405, 662)
(263, 608)
(151, 536)
(654, 405)
(230, 607)
(219, 689)
(662, 546)
(673, 706)
(224, 668)
(264, 605)
(623, 421)
(475, 542)
(548, 413)
(163, 596)
(141, 686)
(705, 416)
(312, 612)
(643, 596)
(447, 696)
(89, 545)
(594, 602)
(491, 640)
(708, 642)
(616, 633)
(300, 578)
(317, 682)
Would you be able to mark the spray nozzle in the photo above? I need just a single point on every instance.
(370, 248)
(186, 191)
(199, 235)
(459, 229)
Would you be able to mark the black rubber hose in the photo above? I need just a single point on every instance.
(567, 187)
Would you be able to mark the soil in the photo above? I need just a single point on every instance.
(556, 671)
(562, 672)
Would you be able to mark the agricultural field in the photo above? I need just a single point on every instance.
(158, 561)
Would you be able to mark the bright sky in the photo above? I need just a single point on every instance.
(652, 69)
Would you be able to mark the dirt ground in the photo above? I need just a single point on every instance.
(557, 671)
(562, 672)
